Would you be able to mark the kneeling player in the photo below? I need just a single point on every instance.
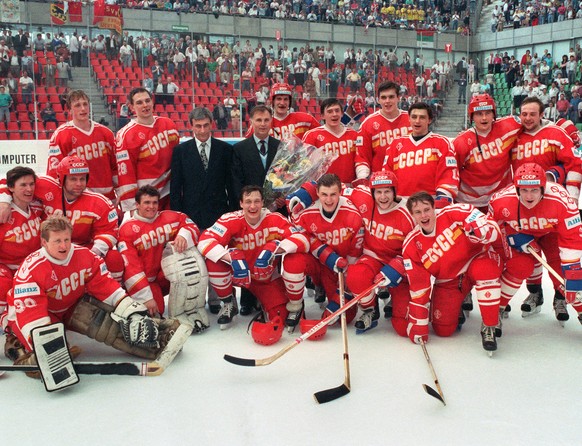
(386, 224)
(241, 249)
(453, 246)
(52, 286)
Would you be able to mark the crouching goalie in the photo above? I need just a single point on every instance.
(62, 282)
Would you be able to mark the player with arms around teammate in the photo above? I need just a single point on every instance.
(144, 150)
(21, 234)
(379, 129)
(87, 140)
(455, 247)
(50, 287)
(540, 214)
(335, 229)
(241, 249)
(423, 160)
(142, 241)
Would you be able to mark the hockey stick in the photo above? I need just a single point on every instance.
(303, 337)
(325, 396)
(551, 270)
(438, 395)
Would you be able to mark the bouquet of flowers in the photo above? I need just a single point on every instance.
(294, 164)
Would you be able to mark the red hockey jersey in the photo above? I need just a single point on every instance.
(20, 235)
(296, 123)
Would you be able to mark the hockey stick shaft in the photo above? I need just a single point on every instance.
(304, 336)
(92, 368)
(434, 376)
(328, 395)
(551, 270)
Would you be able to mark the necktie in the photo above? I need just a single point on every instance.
(203, 156)
(263, 148)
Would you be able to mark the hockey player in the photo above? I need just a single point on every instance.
(379, 129)
(455, 247)
(537, 213)
(386, 223)
(144, 151)
(484, 153)
(87, 140)
(21, 235)
(142, 239)
(241, 249)
(550, 147)
(334, 137)
(50, 287)
(93, 216)
(423, 160)
(336, 233)
(286, 123)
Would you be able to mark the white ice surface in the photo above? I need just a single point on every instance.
(527, 394)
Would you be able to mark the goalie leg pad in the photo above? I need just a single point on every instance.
(13, 348)
(188, 266)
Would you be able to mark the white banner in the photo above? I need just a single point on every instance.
(29, 153)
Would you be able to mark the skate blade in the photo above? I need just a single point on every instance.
(536, 310)
(467, 313)
(562, 324)
(291, 330)
(310, 293)
(364, 330)
(490, 354)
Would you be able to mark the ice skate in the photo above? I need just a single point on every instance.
(368, 320)
(505, 313)
(560, 308)
(319, 295)
(499, 326)
(296, 311)
(462, 319)
(309, 286)
(488, 339)
(533, 303)
(227, 313)
(467, 305)
(385, 295)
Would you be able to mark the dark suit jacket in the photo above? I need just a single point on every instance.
(202, 195)
(247, 167)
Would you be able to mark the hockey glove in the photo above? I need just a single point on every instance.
(302, 198)
(478, 231)
(360, 182)
(417, 322)
(264, 264)
(558, 174)
(573, 286)
(441, 200)
(241, 276)
(521, 241)
(329, 258)
(136, 326)
(391, 274)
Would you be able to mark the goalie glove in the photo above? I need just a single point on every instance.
(391, 274)
(417, 322)
(136, 326)
(520, 242)
(264, 264)
(573, 285)
(329, 258)
(241, 276)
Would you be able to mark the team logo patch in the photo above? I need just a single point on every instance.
(359, 141)
(74, 140)
(135, 228)
(418, 245)
(451, 161)
(376, 125)
(399, 146)
(141, 135)
(469, 141)
(49, 196)
(122, 156)
(54, 276)
(313, 227)
(112, 216)
(320, 138)
(505, 212)
(26, 289)
(407, 265)
(572, 222)
(363, 209)
(218, 229)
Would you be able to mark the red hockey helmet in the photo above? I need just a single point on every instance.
(307, 324)
(383, 178)
(529, 175)
(72, 165)
(267, 333)
(281, 88)
(482, 102)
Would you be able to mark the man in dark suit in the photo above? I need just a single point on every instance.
(200, 184)
(251, 160)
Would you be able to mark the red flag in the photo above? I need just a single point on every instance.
(111, 16)
(75, 12)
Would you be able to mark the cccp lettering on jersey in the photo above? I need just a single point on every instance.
(531, 223)
(414, 158)
(386, 137)
(340, 147)
(94, 150)
(335, 237)
(27, 231)
(71, 283)
(255, 239)
(157, 236)
(158, 142)
(379, 231)
(285, 131)
(532, 148)
(489, 150)
(442, 244)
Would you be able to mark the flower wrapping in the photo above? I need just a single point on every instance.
(294, 164)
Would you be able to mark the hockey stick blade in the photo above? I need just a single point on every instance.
(170, 351)
(325, 396)
(325, 321)
(428, 389)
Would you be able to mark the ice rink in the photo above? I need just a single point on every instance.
(527, 394)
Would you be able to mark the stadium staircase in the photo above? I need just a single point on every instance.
(82, 80)
(452, 119)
